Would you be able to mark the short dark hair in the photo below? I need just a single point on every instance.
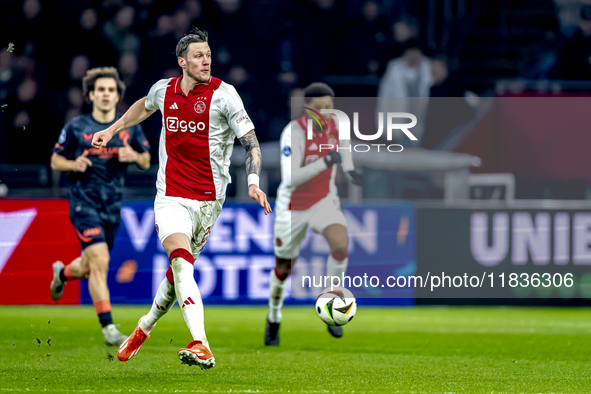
(195, 35)
(101, 72)
(317, 89)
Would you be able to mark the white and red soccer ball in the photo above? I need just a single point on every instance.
(336, 306)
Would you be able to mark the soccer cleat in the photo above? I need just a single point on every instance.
(335, 331)
(57, 286)
(197, 354)
(271, 334)
(133, 344)
(112, 336)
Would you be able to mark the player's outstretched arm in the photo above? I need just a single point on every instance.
(134, 115)
(253, 167)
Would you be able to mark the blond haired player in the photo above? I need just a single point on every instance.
(201, 117)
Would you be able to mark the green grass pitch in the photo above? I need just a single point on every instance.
(404, 350)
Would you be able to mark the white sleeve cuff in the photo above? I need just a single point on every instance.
(253, 179)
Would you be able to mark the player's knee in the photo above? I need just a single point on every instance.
(285, 271)
(84, 271)
(283, 267)
(339, 246)
(337, 238)
(98, 263)
(282, 274)
(176, 241)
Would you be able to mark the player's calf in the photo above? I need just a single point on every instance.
(64, 273)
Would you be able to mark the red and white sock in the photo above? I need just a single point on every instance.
(276, 296)
(163, 301)
(187, 293)
(336, 264)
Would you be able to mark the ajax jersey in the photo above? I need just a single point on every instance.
(297, 152)
(197, 137)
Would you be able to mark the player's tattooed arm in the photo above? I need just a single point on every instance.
(253, 166)
(253, 153)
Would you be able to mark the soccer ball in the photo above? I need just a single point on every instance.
(336, 307)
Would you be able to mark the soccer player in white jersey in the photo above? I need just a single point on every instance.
(307, 197)
(201, 117)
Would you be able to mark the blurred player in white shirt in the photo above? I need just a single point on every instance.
(201, 117)
(307, 197)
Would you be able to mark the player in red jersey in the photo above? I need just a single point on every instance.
(307, 197)
(201, 117)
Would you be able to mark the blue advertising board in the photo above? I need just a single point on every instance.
(235, 263)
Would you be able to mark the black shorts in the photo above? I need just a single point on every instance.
(93, 226)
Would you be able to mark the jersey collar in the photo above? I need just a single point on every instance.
(198, 88)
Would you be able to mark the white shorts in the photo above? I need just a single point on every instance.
(290, 227)
(191, 217)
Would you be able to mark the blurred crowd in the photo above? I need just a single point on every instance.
(572, 59)
(269, 50)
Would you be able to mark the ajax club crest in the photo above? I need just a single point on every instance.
(199, 107)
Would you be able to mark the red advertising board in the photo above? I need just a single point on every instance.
(33, 235)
